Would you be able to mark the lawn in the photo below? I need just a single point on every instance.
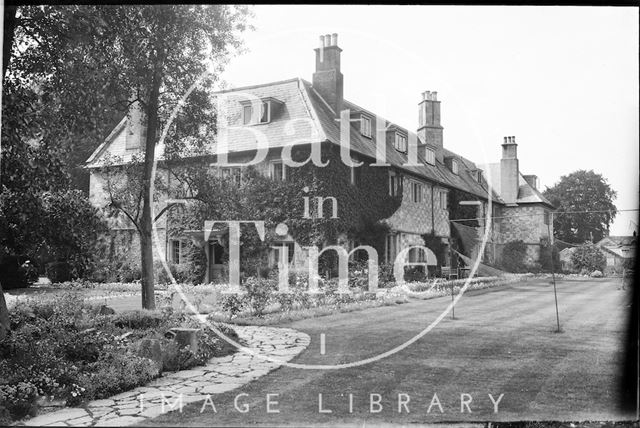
(501, 342)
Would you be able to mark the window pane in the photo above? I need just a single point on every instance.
(246, 111)
(277, 171)
(365, 126)
(265, 112)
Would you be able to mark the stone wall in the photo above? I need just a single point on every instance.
(420, 217)
(525, 223)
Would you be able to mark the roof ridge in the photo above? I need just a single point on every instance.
(98, 151)
(311, 109)
(280, 82)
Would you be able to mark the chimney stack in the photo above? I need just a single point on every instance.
(328, 80)
(509, 171)
(429, 128)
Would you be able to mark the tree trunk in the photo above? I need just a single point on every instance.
(146, 221)
(5, 325)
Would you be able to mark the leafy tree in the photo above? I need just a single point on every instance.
(589, 257)
(590, 195)
(157, 54)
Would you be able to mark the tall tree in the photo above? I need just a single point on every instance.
(158, 53)
(81, 65)
(585, 207)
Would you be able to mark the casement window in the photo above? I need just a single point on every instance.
(365, 126)
(430, 156)
(356, 174)
(546, 217)
(278, 171)
(233, 174)
(263, 116)
(401, 142)
(480, 176)
(174, 251)
(454, 166)
(443, 200)
(416, 255)
(395, 184)
(416, 192)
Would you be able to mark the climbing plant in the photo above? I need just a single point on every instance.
(360, 206)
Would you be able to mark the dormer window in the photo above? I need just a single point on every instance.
(430, 156)
(454, 166)
(263, 116)
(400, 142)
(268, 109)
(365, 126)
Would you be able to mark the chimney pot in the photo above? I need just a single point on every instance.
(334, 39)
(321, 41)
(513, 139)
(427, 95)
(327, 39)
(434, 94)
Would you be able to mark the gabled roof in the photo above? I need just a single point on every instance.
(366, 146)
(617, 241)
(313, 121)
(107, 141)
(526, 193)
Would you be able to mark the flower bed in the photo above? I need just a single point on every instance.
(438, 287)
(64, 350)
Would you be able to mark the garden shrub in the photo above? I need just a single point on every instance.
(259, 292)
(233, 304)
(385, 274)
(58, 271)
(139, 319)
(588, 257)
(60, 348)
(414, 274)
(117, 372)
(513, 256)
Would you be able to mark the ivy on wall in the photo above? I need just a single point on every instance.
(360, 206)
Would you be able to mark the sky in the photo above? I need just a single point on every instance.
(562, 80)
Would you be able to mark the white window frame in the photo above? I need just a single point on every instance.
(272, 168)
(454, 166)
(231, 170)
(354, 174)
(430, 156)
(400, 142)
(365, 126)
(249, 107)
(444, 196)
(416, 192)
(172, 245)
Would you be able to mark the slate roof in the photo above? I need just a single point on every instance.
(316, 123)
(526, 193)
(621, 241)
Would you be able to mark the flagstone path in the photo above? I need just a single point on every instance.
(164, 394)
